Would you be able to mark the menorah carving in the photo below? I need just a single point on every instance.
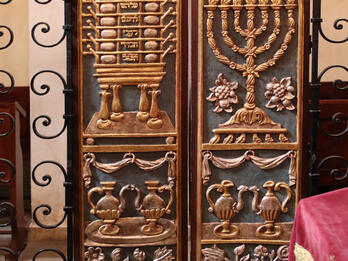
(250, 119)
(129, 41)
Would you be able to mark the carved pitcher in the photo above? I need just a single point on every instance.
(154, 207)
(225, 208)
(108, 208)
(270, 208)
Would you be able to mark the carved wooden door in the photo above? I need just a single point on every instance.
(249, 127)
(130, 106)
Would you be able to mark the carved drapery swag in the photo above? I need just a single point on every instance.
(262, 163)
(128, 159)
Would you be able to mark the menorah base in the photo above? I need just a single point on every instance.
(249, 122)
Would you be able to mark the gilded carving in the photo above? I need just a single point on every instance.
(128, 159)
(270, 208)
(129, 41)
(225, 208)
(109, 208)
(223, 94)
(94, 254)
(250, 119)
(154, 207)
(280, 94)
(249, 155)
(261, 253)
(160, 254)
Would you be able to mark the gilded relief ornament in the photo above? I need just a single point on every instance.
(129, 41)
(270, 208)
(154, 207)
(261, 253)
(163, 254)
(109, 208)
(223, 94)
(280, 94)
(94, 254)
(250, 119)
(225, 208)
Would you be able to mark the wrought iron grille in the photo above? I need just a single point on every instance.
(338, 117)
(45, 120)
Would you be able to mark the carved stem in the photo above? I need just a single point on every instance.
(237, 27)
(228, 40)
(154, 110)
(144, 104)
(104, 110)
(271, 39)
(250, 62)
(116, 103)
(264, 15)
(284, 46)
(213, 46)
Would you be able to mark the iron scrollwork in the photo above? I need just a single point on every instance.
(10, 41)
(44, 119)
(3, 173)
(12, 123)
(12, 82)
(337, 118)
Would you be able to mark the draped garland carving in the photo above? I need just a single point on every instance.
(128, 159)
(262, 163)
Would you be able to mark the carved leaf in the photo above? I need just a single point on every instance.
(245, 258)
(291, 107)
(289, 96)
(211, 97)
(239, 250)
(217, 109)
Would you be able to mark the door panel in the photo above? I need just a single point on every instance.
(130, 103)
(249, 126)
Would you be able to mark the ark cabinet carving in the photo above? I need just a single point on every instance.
(248, 130)
(130, 129)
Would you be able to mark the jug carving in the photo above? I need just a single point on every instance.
(270, 208)
(154, 207)
(109, 208)
(225, 208)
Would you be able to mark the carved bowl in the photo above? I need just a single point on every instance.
(225, 214)
(109, 214)
(154, 213)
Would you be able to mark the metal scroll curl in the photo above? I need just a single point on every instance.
(4, 177)
(8, 210)
(338, 82)
(2, 27)
(12, 83)
(12, 123)
(335, 173)
(46, 210)
(338, 26)
(45, 28)
(10, 252)
(43, 2)
(337, 118)
(45, 119)
(55, 251)
(46, 180)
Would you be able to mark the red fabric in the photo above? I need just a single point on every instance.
(321, 226)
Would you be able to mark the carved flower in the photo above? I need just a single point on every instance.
(139, 255)
(260, 251)
(164, 254)
(223, 94)
(280, 94)
(94, 254)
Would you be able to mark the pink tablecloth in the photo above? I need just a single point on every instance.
(320, 228)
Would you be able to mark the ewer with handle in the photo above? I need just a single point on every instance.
(270, 208)
(154, 207)
(108, 208)
(225, 208)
